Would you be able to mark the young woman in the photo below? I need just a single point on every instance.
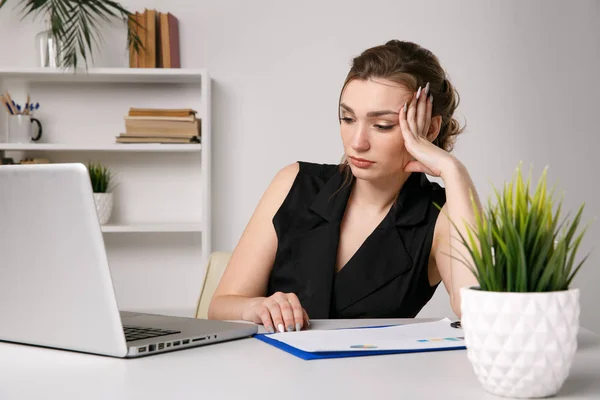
(363, 239)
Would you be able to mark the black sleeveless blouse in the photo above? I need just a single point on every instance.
(387, 277)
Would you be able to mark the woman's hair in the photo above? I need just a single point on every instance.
(411, 65)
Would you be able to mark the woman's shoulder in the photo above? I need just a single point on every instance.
(304, 181)
(303, 173)
(315, 170)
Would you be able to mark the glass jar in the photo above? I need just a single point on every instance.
(47, 48)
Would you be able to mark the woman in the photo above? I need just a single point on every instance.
(363, 239)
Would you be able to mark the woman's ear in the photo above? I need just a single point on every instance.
(434, 128)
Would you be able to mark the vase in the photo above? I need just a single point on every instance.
(520, 345)
(48, 49)
(104, 206)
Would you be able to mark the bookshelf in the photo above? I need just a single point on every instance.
(99, 75)
(165, 227)
(133, 147)
(159, 237)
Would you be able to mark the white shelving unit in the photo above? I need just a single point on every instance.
(106, 75)
(135, 147)
(159, 237)
(182, 227)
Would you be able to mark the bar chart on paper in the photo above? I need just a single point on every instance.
(428, 336)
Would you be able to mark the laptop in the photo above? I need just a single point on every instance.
(55, 283)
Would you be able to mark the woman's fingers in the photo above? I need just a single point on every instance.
(411, 116)
(287, 312)
(283, 312)
(298, 311)
(428, 112)
(265, 317)
(275, 310)
(419, 113)
(421, 104)
(409, 137)
(306, 319)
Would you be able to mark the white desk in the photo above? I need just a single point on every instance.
(250, 369)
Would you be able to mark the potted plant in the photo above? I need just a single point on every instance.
(101, 179)
(74, 26)
(521, 321)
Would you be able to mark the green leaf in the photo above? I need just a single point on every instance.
(519, 242)
(77, 25)
(573, 252)
(100, 177)
(570, 278)
(574, 225)
(545, 282)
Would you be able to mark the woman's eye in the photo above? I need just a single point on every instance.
(385, 127)
(346, 120)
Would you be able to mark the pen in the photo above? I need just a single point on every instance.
(26, 109)
(3, 100)
(9, 100)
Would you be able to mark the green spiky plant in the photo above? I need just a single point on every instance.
(76, 25)
(520, 243)
(100, 176)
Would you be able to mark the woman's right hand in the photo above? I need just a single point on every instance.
(281, 311)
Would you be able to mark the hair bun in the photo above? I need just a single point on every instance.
(394, 43)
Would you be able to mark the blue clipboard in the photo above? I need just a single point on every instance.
(320, 355)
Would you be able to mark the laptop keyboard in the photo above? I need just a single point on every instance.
(138, 333)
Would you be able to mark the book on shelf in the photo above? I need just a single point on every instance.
(150, 38)
(161, 112)
(189, 118)
(125, 138)
(161, 125)
(165, 126)
(159, 37)
(169, 41)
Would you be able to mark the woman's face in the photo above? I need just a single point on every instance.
(370, 131)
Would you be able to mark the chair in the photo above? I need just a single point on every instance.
(217, 261)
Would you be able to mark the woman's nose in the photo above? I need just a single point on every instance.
(360, 140)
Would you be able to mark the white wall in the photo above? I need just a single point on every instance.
(527, 73)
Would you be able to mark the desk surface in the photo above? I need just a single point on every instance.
(251, 369)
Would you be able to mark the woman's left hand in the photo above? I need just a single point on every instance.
(415, 120)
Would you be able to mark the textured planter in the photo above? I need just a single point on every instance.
(104, 206)
(520, 344)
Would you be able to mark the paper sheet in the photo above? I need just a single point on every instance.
(426, 335)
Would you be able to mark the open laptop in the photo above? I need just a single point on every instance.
(55, 284)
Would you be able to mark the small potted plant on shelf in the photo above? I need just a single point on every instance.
(521, 321)
(101, 179)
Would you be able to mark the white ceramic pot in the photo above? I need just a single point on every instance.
(104, 206)
(520, 344)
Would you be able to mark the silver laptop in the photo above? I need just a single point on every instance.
(55, 283)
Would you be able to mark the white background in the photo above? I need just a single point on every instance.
(527, 73)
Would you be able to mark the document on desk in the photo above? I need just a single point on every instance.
(426, 336)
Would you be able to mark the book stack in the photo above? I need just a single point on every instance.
(161, 125)
(159, 37)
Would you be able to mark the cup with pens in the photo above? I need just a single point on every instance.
(20, 121)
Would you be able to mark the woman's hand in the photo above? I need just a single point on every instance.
(415, 120)
(281, 310)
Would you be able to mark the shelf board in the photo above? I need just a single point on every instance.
(114, 75)
(153, 227)
(131, 147)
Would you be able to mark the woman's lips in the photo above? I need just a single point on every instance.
(361, 162)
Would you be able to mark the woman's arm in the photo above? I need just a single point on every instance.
(446, 240)
(419, 130)
(240, 293)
